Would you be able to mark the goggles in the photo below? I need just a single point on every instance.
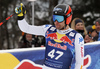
(59, 18)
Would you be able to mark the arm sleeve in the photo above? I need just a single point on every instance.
(31, 29)
(79, 51)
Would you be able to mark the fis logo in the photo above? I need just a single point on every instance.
(80, 40)
(59, 38)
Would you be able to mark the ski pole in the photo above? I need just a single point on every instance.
(6, 19)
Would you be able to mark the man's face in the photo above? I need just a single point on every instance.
(59, 21)
(97, 26)
(29, 37)
(59, 25)
(94, 33)
(87, 39)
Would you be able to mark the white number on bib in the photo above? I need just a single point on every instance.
(51, 54)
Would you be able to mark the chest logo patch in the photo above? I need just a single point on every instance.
(59, 38)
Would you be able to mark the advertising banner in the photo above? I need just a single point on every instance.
(33, 58)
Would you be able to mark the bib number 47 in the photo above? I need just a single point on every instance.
(52, 52)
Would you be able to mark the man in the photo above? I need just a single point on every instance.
(63, 44)
(28, 40)
(97, 26)
(25, 41)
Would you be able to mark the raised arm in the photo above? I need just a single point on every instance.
(25, 27)
(36, 30)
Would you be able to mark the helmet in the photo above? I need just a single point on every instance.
(63, 10)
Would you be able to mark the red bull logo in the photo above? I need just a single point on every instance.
(28, 64)
(9, 61)
(66, 39)
(52, 36)
(57, 45)
(59, 38)
(87, 61)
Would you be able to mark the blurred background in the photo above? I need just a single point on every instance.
(39, 12)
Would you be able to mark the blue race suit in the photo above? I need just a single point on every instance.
(62, 46)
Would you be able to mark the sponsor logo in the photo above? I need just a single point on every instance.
(28, 64)
(57, 9)
(82, 52)
(65, 39)
(57, 45)
(87, 61)
(52, 28)
(46, 26)
(72, 34)
(80, 39)
(52, 36)
(66, 31)
(8, 61)
(59, 38)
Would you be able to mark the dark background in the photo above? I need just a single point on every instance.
(88, 10)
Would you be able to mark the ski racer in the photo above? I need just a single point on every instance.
(63, 44)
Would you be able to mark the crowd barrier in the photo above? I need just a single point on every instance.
(33, 58)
